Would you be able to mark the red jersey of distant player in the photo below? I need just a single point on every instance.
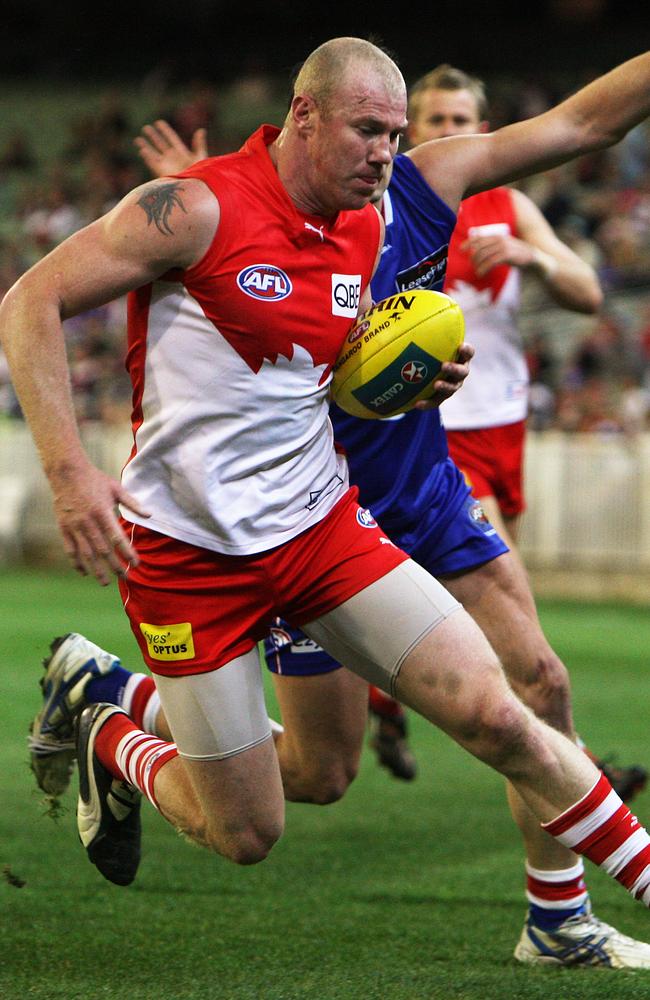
(485, 421)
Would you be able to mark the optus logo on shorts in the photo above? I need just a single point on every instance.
(169, 642)
(265, 281)
(365, 518)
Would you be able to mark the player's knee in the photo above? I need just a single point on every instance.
(507, 731)
(250, 850)
(334, 782)
(496, 731)
(547, 690)
(248, 845)
(325, 784)
(553, 683)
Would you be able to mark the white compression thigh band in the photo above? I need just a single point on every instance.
(217, 714)
(373, 632)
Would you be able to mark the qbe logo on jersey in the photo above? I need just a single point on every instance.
(346, 293)
(265, 281)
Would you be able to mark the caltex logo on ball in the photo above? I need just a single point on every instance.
(414, 371)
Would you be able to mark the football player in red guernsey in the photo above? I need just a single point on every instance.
(238, 507)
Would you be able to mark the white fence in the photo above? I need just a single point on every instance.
(586, 532)
(27, 526)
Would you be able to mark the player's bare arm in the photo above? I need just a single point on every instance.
(571, 281)
(154, 228)
(597, 116)
(158, 203)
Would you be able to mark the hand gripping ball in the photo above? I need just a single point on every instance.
(392, 356)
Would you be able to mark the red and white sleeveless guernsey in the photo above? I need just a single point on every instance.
(231, 360)
(496, 390)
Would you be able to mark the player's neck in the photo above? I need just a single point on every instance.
(288, 158)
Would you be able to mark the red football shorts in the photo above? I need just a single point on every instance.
(192, 610)
(492, 461)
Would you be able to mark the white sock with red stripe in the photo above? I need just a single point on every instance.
(141, 702)
(601, 827)
(555, 895)
(131, 754)
(140, 757)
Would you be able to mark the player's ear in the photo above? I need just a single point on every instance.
(303, 112)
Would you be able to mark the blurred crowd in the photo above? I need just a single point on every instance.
(588, 373)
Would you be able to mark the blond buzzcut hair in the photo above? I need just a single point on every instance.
(446, 77)
(322, 72)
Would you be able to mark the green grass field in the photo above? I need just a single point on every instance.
(399, 891)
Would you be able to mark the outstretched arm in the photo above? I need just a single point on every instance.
(536, 249)
(164, 152)
(596, 116)
(156, 227)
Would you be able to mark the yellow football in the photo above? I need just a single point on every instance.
(392, 356)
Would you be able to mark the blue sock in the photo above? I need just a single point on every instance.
(108, 687)
(550, 920)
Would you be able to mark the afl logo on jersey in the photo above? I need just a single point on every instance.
(365, 518)
(264, 281)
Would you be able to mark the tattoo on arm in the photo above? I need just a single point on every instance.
(158, 203)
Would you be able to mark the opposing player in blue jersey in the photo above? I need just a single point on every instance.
(423, 503)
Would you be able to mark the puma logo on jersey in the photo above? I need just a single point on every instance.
(315, 229)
